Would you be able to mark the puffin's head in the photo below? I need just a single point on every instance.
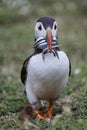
(46, 28)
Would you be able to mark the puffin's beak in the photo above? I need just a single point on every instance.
(49, 39)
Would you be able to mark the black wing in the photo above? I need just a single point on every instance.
(23, 74)
(24, 71)
(69, 67)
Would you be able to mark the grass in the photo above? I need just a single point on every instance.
(16, 41)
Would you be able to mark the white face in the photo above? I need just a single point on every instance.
(40, 31)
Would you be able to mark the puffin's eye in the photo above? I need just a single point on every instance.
(40, 28)
(55, 27)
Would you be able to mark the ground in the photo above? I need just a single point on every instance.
(16, 44)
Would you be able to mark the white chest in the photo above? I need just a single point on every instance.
(48, 77)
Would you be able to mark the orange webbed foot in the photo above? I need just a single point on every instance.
(47, 115)
(41, 117)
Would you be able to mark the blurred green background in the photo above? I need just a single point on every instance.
(17, 20)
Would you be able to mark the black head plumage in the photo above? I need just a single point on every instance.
(47, 21)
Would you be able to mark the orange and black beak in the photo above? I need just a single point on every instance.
(49, 39)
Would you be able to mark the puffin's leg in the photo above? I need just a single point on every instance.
(34, 101)
(50, 109)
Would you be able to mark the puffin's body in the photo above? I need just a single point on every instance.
(45, 73)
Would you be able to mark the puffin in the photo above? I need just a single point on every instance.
(45, 73)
